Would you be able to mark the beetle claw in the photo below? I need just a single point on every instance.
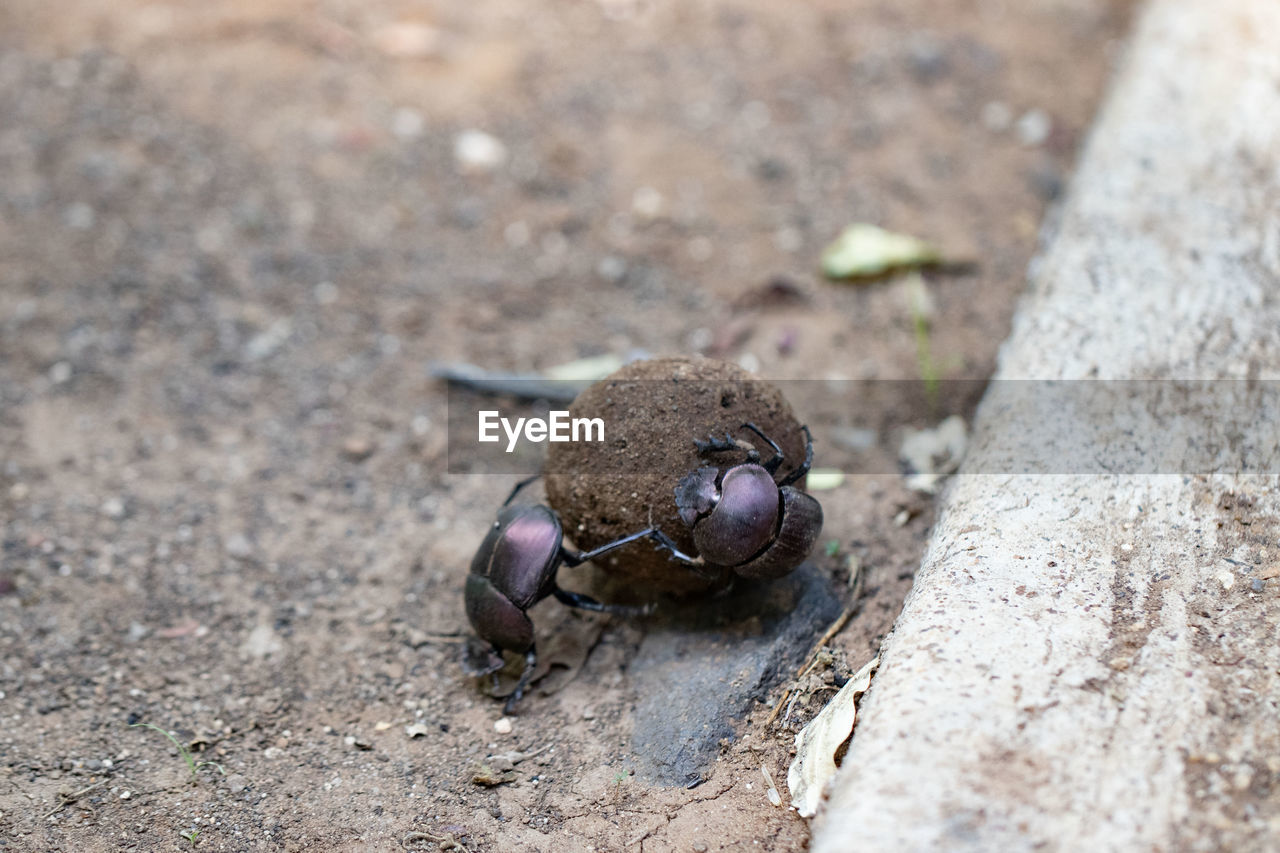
(717, 445)
(530, 662)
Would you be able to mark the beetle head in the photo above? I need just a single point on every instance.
(696, 494)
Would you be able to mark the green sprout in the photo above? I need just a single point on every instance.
(833, 547)
(929, 372)
(191, 836)
(193, 765)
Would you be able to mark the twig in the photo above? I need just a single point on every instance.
(525, 386)
(67, 799)
(836, 627)
(445, 842)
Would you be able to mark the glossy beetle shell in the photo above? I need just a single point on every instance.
(513, 568)
(743, 520)
(801, 527)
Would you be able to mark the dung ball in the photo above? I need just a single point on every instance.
(653, 411)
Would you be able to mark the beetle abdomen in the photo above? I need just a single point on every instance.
(495, 618)
(801, 527)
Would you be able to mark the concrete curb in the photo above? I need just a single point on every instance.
(1088, 661)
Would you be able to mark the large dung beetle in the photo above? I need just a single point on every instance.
(741, 518)
(515, 568)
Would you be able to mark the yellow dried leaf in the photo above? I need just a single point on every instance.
(866, 251)
(818, 742)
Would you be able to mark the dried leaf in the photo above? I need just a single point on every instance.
(931, 454)
(585, 369)
(822, 479)
(818, 743)
(570, 635)
(494, 771)
(771, 792)
(866, 251)
(182, 629)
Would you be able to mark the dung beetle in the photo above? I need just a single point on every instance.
(741, 518)
(515, 568)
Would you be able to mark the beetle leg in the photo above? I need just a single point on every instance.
(697, 565)
(520, 485)
(664, 541)
(803, 468)
(772, 465)
(572, 559)
(586, 602)
(530, 661)
(720, 445)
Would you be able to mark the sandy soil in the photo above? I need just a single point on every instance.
(233, 236)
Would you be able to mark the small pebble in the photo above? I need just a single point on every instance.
(788, 239)
(358, 448)
(612, 268)
(1033, 128)
(927, 59)
(517, 234)
(407, 123)
(238, 546)
(997, 117)
(647, 203)
(476, 152)
(80, 216)
(1257, 585)
(701, 249)
(503, 726)
(326, 293)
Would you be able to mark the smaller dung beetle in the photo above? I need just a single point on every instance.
(741, 518)
(515, 568)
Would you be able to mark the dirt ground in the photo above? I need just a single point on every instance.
(234, 235)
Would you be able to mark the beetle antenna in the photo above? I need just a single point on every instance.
(520, 485)
(573, 559)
